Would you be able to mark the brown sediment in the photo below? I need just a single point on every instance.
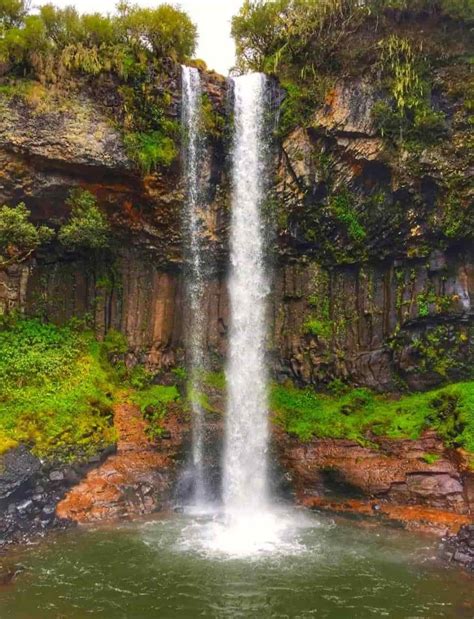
(135, 480)
(411, 517)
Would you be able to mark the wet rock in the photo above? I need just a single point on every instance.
(137, 479)
(394, 472)
(25, 506)
(56, 476)
(459, 549)
(17, 467)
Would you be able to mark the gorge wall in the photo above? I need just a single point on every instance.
(364, 290)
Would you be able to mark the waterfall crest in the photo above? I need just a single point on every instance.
(245, 484)
(194, 257)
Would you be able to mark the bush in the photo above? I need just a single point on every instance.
(19, 238)
(150, 150)
(87, 226)
(154, 402)
(54, 40)
(114, 343)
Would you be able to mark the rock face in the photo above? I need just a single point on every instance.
(137, 480)
(395, 472)
(368, 288)
(382, 311)
(30, 491)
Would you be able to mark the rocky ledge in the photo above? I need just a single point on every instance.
(30, 490)
(393, 479)
(459, 549)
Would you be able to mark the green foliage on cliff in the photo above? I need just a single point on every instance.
(307, 43)
(55, 41)
(133, 52)
(359, 414)
(54, 390)
(19, 237)
(87, 227)
(150, 150)
(154, 402)
(290, 36)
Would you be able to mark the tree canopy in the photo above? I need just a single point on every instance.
(56, 40)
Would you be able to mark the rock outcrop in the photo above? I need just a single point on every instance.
(459, 549)
(137, 480)
(394, 471)
(30, 490)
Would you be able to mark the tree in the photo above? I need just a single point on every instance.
(19, 238)
(87, 226)
(166, 30)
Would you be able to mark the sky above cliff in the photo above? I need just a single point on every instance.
(212, 17)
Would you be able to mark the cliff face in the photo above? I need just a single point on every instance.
(364, 290)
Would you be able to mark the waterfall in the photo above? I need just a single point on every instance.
(245, 458)
(250, 523)
(194, 254)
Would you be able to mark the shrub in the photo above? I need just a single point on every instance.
(19, 238)
(150, 150)
(87, 226)
(114, 343)
(154, 402)
(55, 39)
(359, 414)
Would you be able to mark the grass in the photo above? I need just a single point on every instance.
(56, 391)
(360, 414)
(157, 396)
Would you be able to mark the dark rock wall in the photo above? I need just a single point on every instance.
(389, 310)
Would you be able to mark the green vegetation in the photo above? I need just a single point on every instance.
(87, 226)
(213, 123)
(54, 41)
(361, 415)
(154, 402)
(318, 328)
(410, 118)
(342, 207)
(55, 393)
(431, 458)
(306, 43)
(134, 48)
(150, 150)
(216, 380)
(19, 237)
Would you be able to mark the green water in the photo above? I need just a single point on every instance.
(163, 569)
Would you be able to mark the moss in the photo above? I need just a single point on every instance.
(431, 458)
(213, 122)
(342, 207)
(359, 414)
(55, 391)
(217, 380)
(150, 150)
(200, 398)
(318, 328)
